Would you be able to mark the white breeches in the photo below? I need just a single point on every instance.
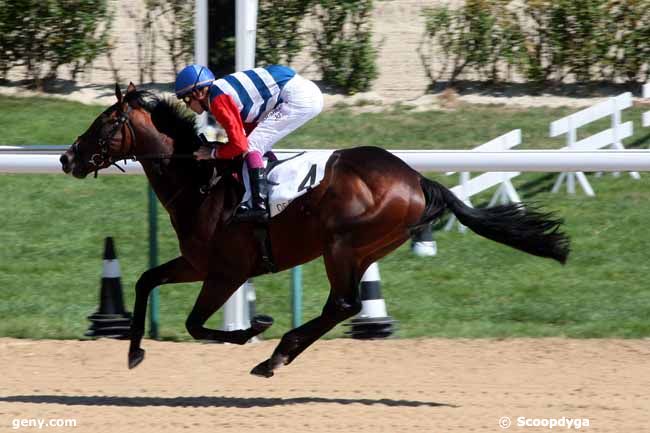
(302, 100)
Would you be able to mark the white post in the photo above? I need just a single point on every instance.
(236, 314)
(646, 94)
(201, 32)
(464, 181)
(201, 46)
(571, 141)
(570, 177)
(617, 133)
(616, 121)
(245, 29)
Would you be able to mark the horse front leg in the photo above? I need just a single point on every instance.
(214, 293)
(177, 270)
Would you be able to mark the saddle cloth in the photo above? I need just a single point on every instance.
(290, 178)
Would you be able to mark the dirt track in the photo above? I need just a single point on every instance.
(430, 385)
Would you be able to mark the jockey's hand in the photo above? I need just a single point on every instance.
(204, 152)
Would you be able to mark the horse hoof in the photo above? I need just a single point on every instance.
(135, 358)
(261, 322)
(262, 369)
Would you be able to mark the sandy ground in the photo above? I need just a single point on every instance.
(425, 385)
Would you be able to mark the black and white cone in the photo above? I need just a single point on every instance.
(110, 319)
(423, 244)
(373, 320)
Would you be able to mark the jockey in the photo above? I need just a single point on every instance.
(256, 108)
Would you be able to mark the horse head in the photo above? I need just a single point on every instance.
(111, 137)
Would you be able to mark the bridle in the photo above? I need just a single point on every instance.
(98, 160)
(104, 157)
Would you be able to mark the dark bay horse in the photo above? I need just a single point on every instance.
(367, 205)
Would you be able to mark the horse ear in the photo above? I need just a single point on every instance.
(131, 87)
(118, 93)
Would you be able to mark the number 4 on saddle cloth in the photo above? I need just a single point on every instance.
(290, 178)
(287, 179)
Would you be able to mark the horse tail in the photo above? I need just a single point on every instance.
(525, 228)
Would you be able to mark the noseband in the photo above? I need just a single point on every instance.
(99, 159)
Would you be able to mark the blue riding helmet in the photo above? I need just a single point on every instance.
(191, 78)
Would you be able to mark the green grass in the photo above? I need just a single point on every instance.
(53, 226)
(28, 121)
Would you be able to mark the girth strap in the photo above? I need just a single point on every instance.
(261, 233)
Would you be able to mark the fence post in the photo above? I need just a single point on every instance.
(296, 296)
(646, 95)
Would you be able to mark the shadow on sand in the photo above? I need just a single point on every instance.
(206, 401)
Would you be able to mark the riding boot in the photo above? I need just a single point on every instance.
(256, 212)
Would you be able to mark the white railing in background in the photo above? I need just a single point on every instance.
(469, 187)
(613, 136)
(25, 161)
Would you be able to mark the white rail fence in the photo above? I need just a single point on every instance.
(469, 187)
(544, 161)
(611, 137)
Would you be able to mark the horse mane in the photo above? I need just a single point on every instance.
(169, 117)
(173, 119)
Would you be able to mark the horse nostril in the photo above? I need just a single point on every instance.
(65, 163)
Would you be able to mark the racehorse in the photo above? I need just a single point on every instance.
(367, 205)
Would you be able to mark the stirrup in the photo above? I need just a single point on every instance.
(247, 214)
(243, 208)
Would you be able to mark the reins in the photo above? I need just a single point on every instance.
(98, 159)
(104, 156)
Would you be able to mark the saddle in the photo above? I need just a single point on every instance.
(287, 179)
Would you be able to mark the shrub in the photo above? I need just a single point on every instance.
(180, 38)
(344, 50)
(279, 38)
(563, 37)
(477, 36)
(44, 35)
(544, 40)
(8, 36)
(630, 34)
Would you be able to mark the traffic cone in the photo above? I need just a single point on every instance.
(110, 319)
(373, 320)
(423, 244)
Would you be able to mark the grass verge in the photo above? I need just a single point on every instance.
(53, 229)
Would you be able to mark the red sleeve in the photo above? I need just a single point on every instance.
(225, 110)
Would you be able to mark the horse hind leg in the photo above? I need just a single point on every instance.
(213, 295)
(344, 272)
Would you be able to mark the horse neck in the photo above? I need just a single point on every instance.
(176, 188)
(168, 184)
